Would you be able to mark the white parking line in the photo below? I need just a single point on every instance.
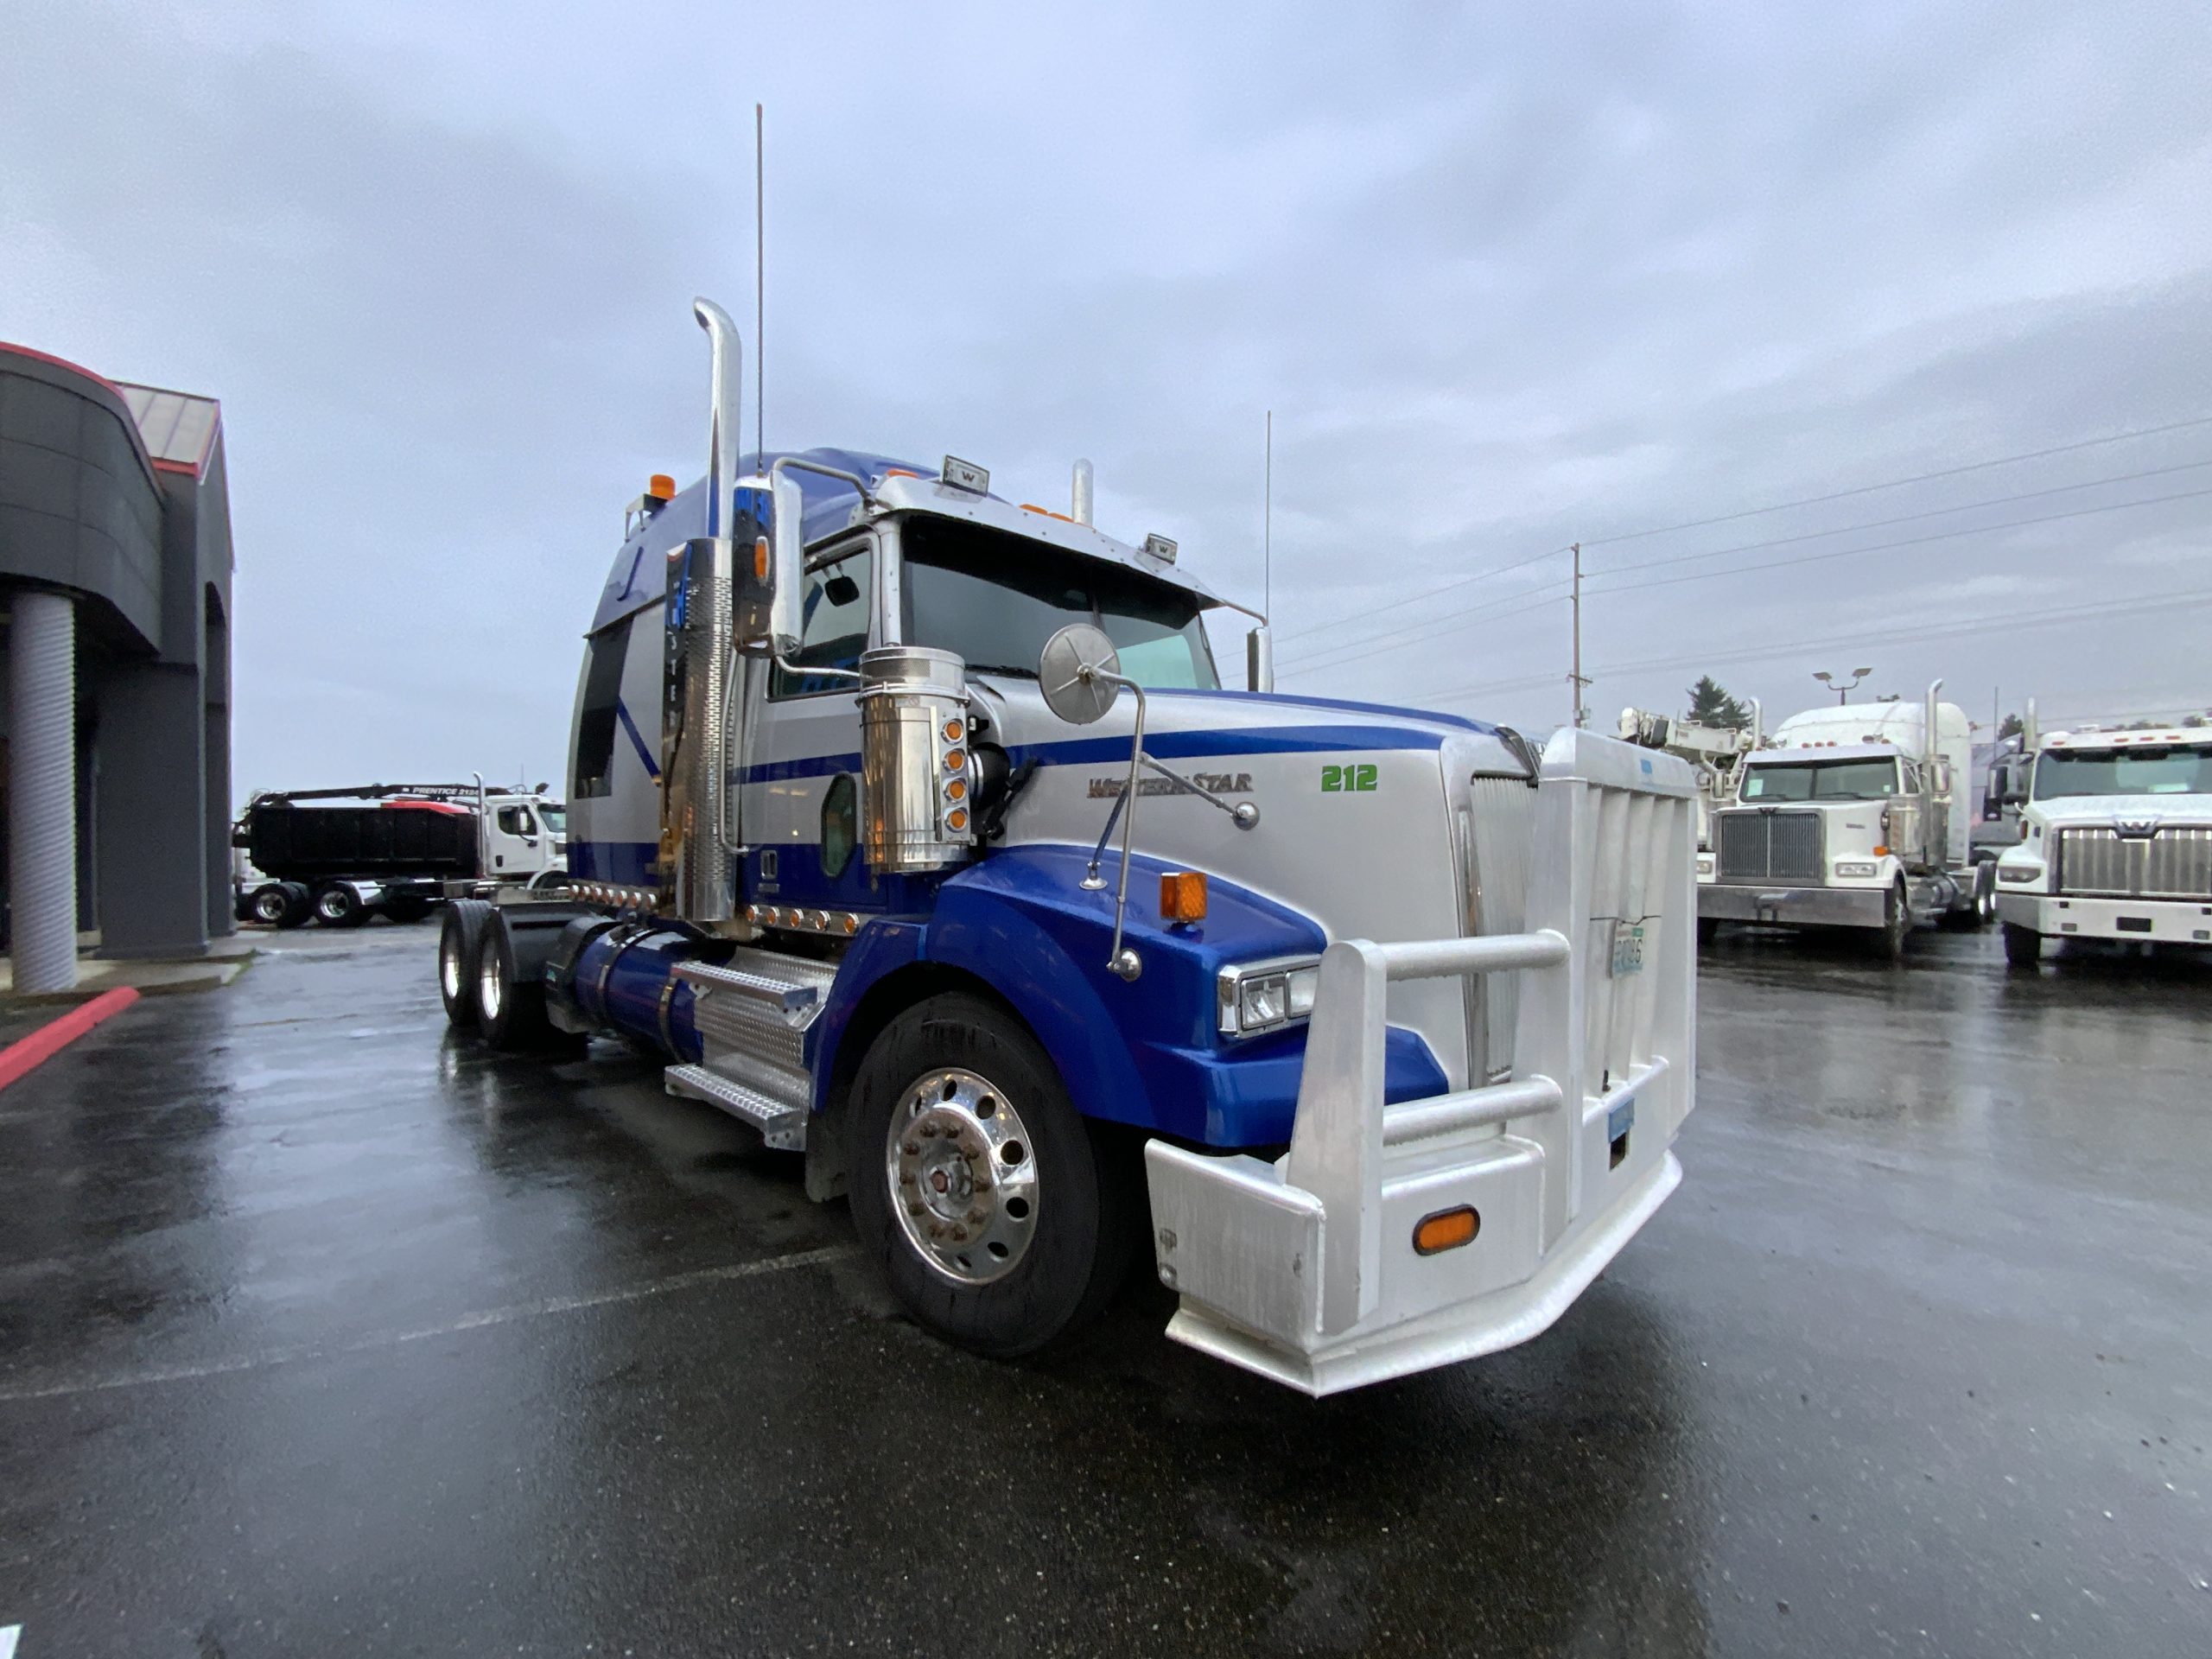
(550, 1305)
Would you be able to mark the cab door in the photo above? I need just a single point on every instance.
(801, 780)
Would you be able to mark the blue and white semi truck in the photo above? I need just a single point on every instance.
(915, 829)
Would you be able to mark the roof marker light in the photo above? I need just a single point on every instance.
(1160, 547)
(965, 476)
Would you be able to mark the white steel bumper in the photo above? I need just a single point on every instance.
(2161, 921)
(1793, 906)
(1306, 1270)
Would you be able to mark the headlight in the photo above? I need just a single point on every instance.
(2019, 875)
(1848, 867)
(1265, 995)
(1704, 863)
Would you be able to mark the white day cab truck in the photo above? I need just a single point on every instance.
(2116, 841)
(339, 856)
(1854, 817)
(915, 830)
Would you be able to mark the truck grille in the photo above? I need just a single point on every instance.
(1494, 875)
(2170, 862)
(1768, 847)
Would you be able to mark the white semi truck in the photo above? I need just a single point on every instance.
(2116, 841)
(915, 829)
(1856, 816)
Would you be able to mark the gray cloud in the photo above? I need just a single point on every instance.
(1507, 281)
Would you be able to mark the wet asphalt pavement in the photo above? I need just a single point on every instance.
(322, 1333)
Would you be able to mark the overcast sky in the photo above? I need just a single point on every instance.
(1509, 277)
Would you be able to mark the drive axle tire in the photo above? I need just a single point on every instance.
(301, 910)
(407, 909)
(2022, 946)
(338, 906)
(270, 904)
(1002, 1221)
(511, 1012)
(460, 941)
(1708, 929)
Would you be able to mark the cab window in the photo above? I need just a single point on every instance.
(835, 615)
(517, 821)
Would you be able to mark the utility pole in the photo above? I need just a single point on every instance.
(1575, 683)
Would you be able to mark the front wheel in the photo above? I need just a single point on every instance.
(1896, 922)
(2022, 946)
(1984, 896)
(1000, 1223)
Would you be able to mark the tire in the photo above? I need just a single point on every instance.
(460, 941)
(1896, 924)
(337, 905)
(2022, 946)
(301, 910)
(511, 1012)
(1057, 1203)
(270, 904)
(1708, 929)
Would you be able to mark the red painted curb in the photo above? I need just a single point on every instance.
(55, 1035)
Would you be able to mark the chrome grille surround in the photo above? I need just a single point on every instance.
(2164, 861)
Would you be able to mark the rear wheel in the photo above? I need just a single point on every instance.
(2022, 946)
(1000, 1221)
(1984, 894)
(270, 903)
(460, 942)
(299, 910)
(407, 908)
(510, 1012)
(338, 906)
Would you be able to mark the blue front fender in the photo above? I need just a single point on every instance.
(1145, 1052)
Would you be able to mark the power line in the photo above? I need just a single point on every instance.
(2191, 600)
(1910, 541)
(1900, 483)
(1435, 628)
(1415, 599)
(1909, 518)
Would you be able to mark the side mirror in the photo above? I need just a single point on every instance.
(1080, 673)
(787, 572)
(1260, 659)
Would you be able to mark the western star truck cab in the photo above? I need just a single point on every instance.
(1854, 817)
(2117, 842)
(916, 829)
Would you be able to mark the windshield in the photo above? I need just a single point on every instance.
(2175, 769)
(556, 818)
(996, 598)
(1821, 781)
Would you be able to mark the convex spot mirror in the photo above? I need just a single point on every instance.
(1080, 673)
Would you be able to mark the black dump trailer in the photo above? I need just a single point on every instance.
(337, 856)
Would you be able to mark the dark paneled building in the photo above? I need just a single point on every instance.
(114, 572)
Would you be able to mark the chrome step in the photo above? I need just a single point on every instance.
(788, 995)
(782, 1125)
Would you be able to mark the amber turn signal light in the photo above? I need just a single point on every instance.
(1183, 896)
(660, 486)
(760, 560)
(1447, 1230)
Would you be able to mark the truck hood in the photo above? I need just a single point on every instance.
(2073, 811)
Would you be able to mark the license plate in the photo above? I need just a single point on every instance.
(1628, 948)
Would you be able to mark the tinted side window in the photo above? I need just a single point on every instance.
(595, 715)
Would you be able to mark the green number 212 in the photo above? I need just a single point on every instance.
(1335, 779)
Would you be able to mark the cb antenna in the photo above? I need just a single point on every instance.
(760, 286)
(1268, 526)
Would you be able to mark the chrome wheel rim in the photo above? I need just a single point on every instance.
(332, 905)
(449, 968)
(491, 986)
(269, 907)
(961, 1174)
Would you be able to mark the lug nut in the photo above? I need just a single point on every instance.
(929, 1131)
(959, 1235)
(912, 1148)
(905, 1178)
(976, 1217)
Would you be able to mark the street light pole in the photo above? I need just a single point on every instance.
(1842, 690)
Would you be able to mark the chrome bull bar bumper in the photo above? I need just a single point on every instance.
(1312, 1269)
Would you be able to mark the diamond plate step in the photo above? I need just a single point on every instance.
(782, 1126)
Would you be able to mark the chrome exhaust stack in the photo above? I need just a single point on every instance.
(698, 859)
